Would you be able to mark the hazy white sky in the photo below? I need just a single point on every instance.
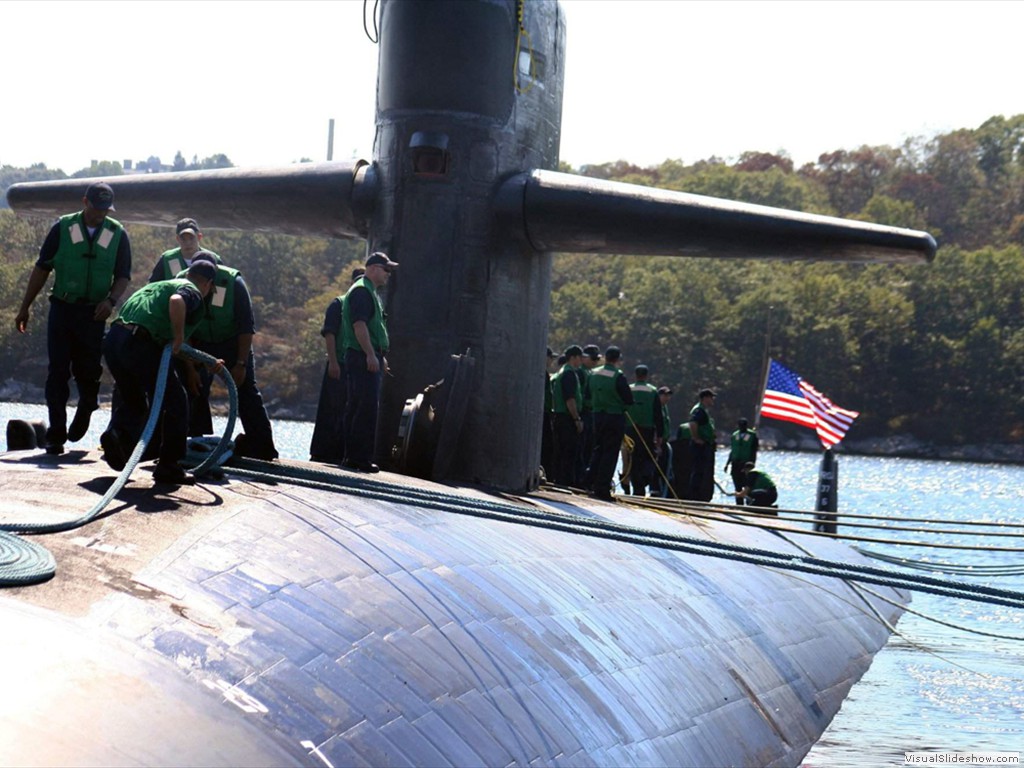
(645, 81)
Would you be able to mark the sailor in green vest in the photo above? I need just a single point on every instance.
(547, 438)
(171, 263)
(158, 314)
(610, 396)
(702, 448)
(590, 361)
(663, 477)
(643, 427)
(682, 461)
(226, 332)
(567, 421)
(742, 448)
(327, 445)
(758, 489)
(364, 345)
(91, 259)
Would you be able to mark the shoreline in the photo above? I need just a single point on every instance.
(903, 445)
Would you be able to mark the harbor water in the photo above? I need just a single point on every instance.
(944, 682)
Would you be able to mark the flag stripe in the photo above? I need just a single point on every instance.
(787, 397)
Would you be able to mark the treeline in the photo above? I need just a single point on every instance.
(935, 351)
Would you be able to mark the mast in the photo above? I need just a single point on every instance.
(765, 363)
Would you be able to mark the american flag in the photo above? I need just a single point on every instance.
(788, 397)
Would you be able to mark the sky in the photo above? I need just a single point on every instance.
(645, 80)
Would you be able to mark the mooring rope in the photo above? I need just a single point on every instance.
(578, 524)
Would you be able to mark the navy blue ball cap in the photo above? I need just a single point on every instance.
(188, 224)
(573, 350)
(204, 269)
(380, 259)
(204, 256)
(100, 196)
(612, 354)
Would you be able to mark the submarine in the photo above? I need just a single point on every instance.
(452, 611)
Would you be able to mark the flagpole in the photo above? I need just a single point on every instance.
(765, 363)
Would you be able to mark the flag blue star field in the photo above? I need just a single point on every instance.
(788, 397)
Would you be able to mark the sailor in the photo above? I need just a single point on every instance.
(682, 461)
(547, 439)
(610, 395)
(643, 425)
(226, 332)
(589, 362)
(702, 448)
(91, 258)
(665, 475)
(567, 423)
(365, 341)
(172, 262)
(161, 313)
(758, 489)
(327, 445)
(742, 448)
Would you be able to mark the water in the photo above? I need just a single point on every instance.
(932, 687)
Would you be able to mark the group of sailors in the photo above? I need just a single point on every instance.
(192, 296)
(593, 417)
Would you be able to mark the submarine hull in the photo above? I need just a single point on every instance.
(241, 622)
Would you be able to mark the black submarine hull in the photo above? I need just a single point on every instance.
(252, 623)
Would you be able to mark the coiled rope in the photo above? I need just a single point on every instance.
(21, 561)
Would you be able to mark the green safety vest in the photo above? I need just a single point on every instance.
(148, 307)
(642, 409)
(376, 325)
(219, 322)
(557, 401)
(84, 269)
(174, 263)
(588, 396)
(705, 432)
(666, 423)
(339, 337)
(603, 394)
(741, 447)
(683, 431)
(759, 481)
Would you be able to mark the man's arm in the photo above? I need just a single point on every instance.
(331, 347)
(36, 281)
(363, 337)
(176, 310)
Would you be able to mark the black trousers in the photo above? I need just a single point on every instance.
(642, 469)
(362, 391)
(251, 410)
(567, 445)
(682, 462)
(328, 441)
(135, 363)
(702, 471)
(74, 344)
(738, 479)
(608, 431)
